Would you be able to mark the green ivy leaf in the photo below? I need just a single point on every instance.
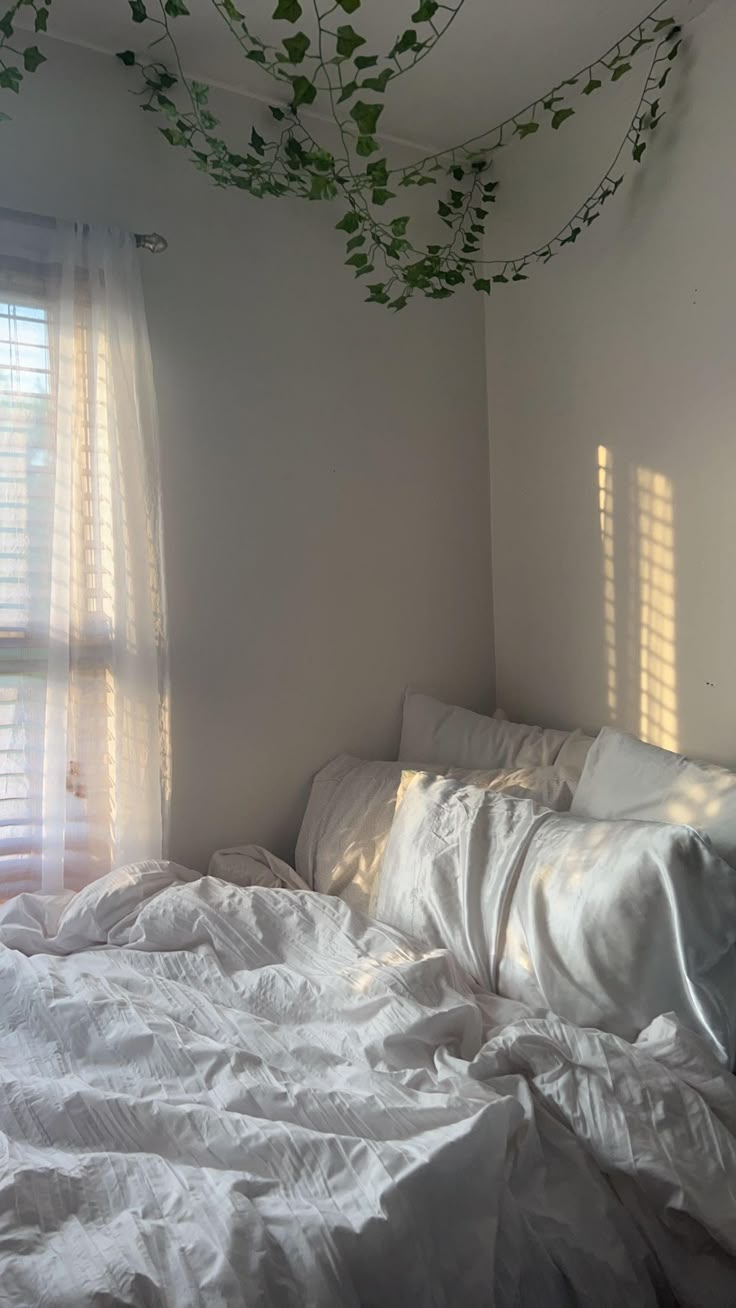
(527, 129)
(381, 195)
(378, 172)
(592, 85)
(296, 47)
(620, 71)
(500, 277)
(176, 9)
(138, 11)
(41, 20)
(349, 6)
(347, 91)
(173, 135)
(560, 116)
(399, 226)
(366, 116)
(426, 11)
(365, 61)
(407, 41)
(257, 142)
(348, 40)
(660, 25)
(6, 23)
(366, 145)
(571, 239)
(10, 79)
(277, 113)
(304, 91)
(288, 11)
(638, 150)
(126, 57)
(256, 56)
(400, 302)
(674, 51)
(357, 260)
(519, 277)
(482, 284)
(350, 223)
(355, 242)
(321, 188)
(378, 83)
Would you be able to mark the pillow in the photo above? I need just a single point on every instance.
(351, 808)
(624, 778)
(443, 735)
(609, 924)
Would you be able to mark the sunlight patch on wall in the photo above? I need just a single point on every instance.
(605, 515)
(653, 510)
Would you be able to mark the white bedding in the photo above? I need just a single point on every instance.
(230, 1096)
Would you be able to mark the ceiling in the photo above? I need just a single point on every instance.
(497, 56)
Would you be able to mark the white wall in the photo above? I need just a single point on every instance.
(324, 464)
(626, 342)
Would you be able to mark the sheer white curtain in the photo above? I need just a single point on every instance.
(83, 704)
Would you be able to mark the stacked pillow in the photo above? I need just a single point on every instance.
(446, 736)
(619, 910)
(606, 923)
(351, 805)
(624, 778)
(351, 808)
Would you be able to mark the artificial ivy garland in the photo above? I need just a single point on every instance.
(338, 65)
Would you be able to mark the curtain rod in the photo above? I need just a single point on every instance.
(151, 241)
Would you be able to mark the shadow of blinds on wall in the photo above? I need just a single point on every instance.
(636, 514)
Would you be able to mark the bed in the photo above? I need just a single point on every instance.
(232, 1089)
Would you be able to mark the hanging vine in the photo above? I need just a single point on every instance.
(336, 66)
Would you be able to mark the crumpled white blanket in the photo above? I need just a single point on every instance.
(218, 1095)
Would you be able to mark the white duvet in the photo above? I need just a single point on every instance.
(223, 1096)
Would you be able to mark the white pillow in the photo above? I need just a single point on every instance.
(624, 778)
(442, 735)
(351, 808)
(609, 924)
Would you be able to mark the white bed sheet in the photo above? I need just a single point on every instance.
(223, 1096)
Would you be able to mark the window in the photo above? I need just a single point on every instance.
(26, 440)
(81, 626)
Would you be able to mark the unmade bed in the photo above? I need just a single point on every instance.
(220, 1092)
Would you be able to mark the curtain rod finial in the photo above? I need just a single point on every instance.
(152, 241)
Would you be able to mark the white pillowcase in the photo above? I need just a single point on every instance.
(351, 808)
(624, 778)
(609, 924)
(443, 735)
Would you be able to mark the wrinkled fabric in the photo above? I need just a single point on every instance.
(626, 778)
(607, 923)
(351, 807)
(444, 735)
(212, 1095)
